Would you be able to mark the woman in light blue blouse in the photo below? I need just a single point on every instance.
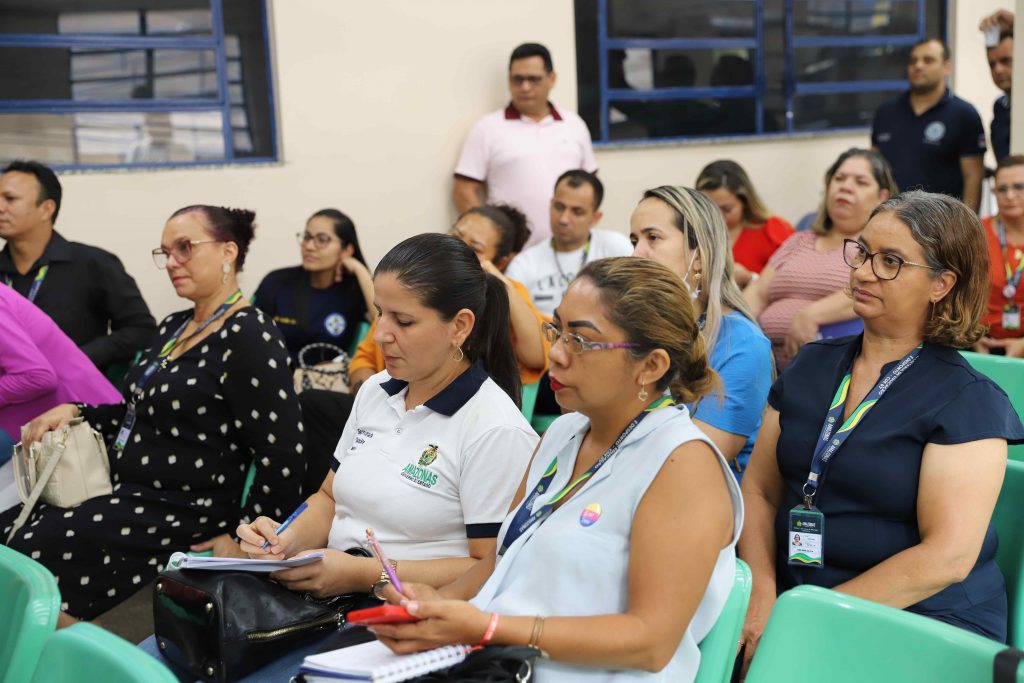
(684, 230)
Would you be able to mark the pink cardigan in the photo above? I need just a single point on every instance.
(40, 367)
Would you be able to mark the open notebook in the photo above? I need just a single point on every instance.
(183, 561)
(374, 662)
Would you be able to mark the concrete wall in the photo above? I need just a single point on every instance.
(374, 101)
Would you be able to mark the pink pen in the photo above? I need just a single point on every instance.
(379, 554)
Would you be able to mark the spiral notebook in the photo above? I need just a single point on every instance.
(375, 662)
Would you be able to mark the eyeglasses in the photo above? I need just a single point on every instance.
(320, 240)
(181, 251)
(578, 344)
(885, 266)
(519, 81)
(1005, 189)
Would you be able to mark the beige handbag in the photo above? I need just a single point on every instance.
(67, 467)
(331, 376)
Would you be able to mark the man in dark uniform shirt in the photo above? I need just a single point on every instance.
(932, 139)
(84, 289)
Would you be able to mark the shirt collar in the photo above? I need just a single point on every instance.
(57, 249)
(947, 95)
(511, 113)
(450, 399)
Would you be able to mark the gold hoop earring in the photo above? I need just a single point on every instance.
(226, 269)
(460, 356)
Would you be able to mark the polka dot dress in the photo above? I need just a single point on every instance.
(225, 403)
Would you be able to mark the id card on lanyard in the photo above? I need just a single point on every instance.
(1011, 309)
(37, 282)
(806, 525)
(159, 363)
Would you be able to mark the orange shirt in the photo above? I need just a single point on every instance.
(369, 355)
(755, 246)
(997, 280)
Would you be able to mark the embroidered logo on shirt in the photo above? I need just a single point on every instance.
(590, 514)
(428, 456)
(335, 324)
(420, 475)
(934, 131)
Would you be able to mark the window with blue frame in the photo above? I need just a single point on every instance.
(690, 69)
(130, 83)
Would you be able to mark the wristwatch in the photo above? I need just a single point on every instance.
(383, 579)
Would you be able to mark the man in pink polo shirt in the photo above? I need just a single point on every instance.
(515, 155)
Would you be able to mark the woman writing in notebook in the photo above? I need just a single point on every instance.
(603, 564)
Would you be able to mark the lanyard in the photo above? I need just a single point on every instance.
(160, 362)
(583, 261)
(37, 282)
(524, 519)
(1012, 276)
(828, 444)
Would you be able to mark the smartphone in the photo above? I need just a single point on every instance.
(385, 614)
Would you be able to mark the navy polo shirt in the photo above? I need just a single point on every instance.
(868, 494)
(1001, 127)
(924, 151)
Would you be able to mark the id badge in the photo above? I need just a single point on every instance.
(806, 537)
(1011, 317)
(126, 428)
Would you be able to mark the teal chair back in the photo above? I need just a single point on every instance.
(84, 652)
(529, 400)
(718, 649)
(30, 603)
(1008, 518)
(363, 330)
(1008, 373)
(816, 633)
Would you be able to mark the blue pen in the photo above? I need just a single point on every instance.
(291, 518)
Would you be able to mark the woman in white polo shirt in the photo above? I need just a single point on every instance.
(619, 552)
(435, 445)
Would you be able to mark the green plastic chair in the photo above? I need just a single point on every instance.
(718, 649)
(31, 602)
(816, 633)
(1008, 373)
(529, 400)
(363, 330)
(1007, 517)
(540, 423)
(84, 652)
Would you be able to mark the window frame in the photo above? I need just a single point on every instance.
(215, 42)
(791, 86)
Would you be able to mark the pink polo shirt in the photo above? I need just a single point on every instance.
(520, 159)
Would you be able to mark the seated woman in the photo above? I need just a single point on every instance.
(211, 397)
(325, 298)
(435, 445)
(801, 287)
(1005, 235)
(906, 488)
(39, 368)
(681, 228)
(593, 579)
(496, 233)
(754, 233)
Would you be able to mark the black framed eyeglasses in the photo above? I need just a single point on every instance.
(181, 251)
(884, 265)
(578, 344)
(320, 240)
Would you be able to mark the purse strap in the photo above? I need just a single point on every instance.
(51, 466)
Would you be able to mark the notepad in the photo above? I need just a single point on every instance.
(375, 662)
(235, 564)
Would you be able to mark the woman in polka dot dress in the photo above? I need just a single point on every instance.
(219, 400)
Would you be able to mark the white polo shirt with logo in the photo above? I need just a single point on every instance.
(520, 159)
(428, 479)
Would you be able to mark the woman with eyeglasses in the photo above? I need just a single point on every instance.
(886, 451)
(324, 299)
(210, 398)
(1005, 235)
(801, 289)
(617, 554)
(683, 229)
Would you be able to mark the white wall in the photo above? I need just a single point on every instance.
(375, 99)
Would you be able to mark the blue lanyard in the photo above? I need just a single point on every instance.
(159, 363)
(524, 519)
(828, 444)
(37, 282)
(1012, 276)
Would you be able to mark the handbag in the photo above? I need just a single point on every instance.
(330, 376)
(223, 625)
(67, 467)
(491, 664)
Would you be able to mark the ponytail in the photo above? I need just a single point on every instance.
(491, 341)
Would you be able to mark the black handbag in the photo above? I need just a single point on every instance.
(222, 625)
(491, 664)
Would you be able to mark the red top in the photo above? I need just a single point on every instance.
(997, 280)
(755, 246)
